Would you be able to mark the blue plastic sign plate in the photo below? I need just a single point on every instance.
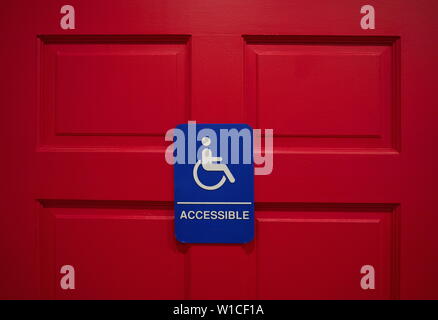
(214, 183)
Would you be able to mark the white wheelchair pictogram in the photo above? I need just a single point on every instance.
(210, 163)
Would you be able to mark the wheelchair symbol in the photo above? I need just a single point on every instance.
(210, 163)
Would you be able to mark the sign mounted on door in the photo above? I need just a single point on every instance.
(214, 181)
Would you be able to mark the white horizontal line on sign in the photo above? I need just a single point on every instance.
(213, 202)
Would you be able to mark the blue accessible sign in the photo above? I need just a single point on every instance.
(214, 183)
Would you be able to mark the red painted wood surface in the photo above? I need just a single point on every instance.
(84, 181)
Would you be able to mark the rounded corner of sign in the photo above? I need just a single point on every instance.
(247, 241)
(179, 239)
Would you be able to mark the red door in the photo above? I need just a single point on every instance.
(348, 210)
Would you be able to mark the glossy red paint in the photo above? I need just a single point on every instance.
(84, 181)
